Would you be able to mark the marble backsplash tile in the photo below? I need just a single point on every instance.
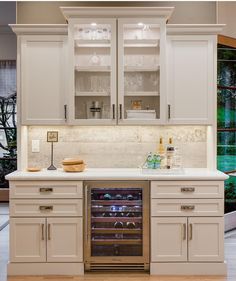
(117, 146)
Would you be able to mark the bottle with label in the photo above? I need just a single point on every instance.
(161, 152)
(170, 150)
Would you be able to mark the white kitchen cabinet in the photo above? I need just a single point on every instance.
(191, 74)
(64, 239)
(187, 239)
(169, 239)
(206, 239)
(46, 240)
(187, 227)
(43, 79)
(41, 74)
(127, 86)
(27, 240)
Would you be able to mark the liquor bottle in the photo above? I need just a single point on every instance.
(130, 197)
(130, 225)
(118, 224)
(107, 196)
(170, 150)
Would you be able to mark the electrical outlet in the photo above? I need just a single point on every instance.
(35, 146)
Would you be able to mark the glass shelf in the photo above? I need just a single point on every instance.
(141, 68)
(93, 68)
(81, 43)
(141, 94)
(128, 43)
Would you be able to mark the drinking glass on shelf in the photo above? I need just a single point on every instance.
(106, 34)
(99, 34)
(87, 34)
(80, 33)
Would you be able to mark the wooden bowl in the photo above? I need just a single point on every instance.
(72, 161)
(74, 168)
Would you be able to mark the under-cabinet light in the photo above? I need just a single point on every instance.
(140, 24)
(93, 24)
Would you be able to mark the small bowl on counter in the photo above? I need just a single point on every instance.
(73, 165)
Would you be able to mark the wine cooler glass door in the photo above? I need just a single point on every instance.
(116, 221)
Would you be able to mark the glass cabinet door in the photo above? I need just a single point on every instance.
(94, 70)
(140, 66)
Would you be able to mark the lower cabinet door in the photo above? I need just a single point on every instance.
(64, 240)
(27, 240)
(169, 239)
(206, 239)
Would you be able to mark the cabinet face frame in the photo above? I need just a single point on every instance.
(121, 95)
(208, 118)
(71, 71)
(24, 42)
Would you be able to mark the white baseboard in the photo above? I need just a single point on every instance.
(45, 269)
(180, 268)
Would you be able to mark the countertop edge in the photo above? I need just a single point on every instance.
(116, 174)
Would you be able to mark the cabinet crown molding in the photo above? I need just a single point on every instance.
(72, 12)
(36, 29)
(197, 29)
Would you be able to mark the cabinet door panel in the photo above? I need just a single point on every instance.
(168, 239)
(141, 71)
(92, 72)
(43, 79)
(64, 240)
(206, 239)
(191, 79)
(27, 240)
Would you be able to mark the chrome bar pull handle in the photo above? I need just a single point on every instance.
(49, 231)
(113, 111)
(187, 189)
(190, 231)
(42, 231)
(168, 111)
(184, 230)
(120, 111)
(46, 208)
(65, 112)
(187, 207)
(45, 189)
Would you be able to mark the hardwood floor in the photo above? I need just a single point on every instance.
(230, 255)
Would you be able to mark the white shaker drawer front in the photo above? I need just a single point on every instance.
(46, 208)
(187, 189)
(46, 189)
(187, 207)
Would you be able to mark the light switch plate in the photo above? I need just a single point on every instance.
(35, 146)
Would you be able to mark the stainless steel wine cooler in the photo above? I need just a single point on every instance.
(116, 225)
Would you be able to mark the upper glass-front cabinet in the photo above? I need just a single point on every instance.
(94, 70)
(126, 86)
(141, 70)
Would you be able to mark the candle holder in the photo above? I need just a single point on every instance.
(52, 136)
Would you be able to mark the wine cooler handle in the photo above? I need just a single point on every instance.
(86, 212)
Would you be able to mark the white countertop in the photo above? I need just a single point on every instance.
(118, 174)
